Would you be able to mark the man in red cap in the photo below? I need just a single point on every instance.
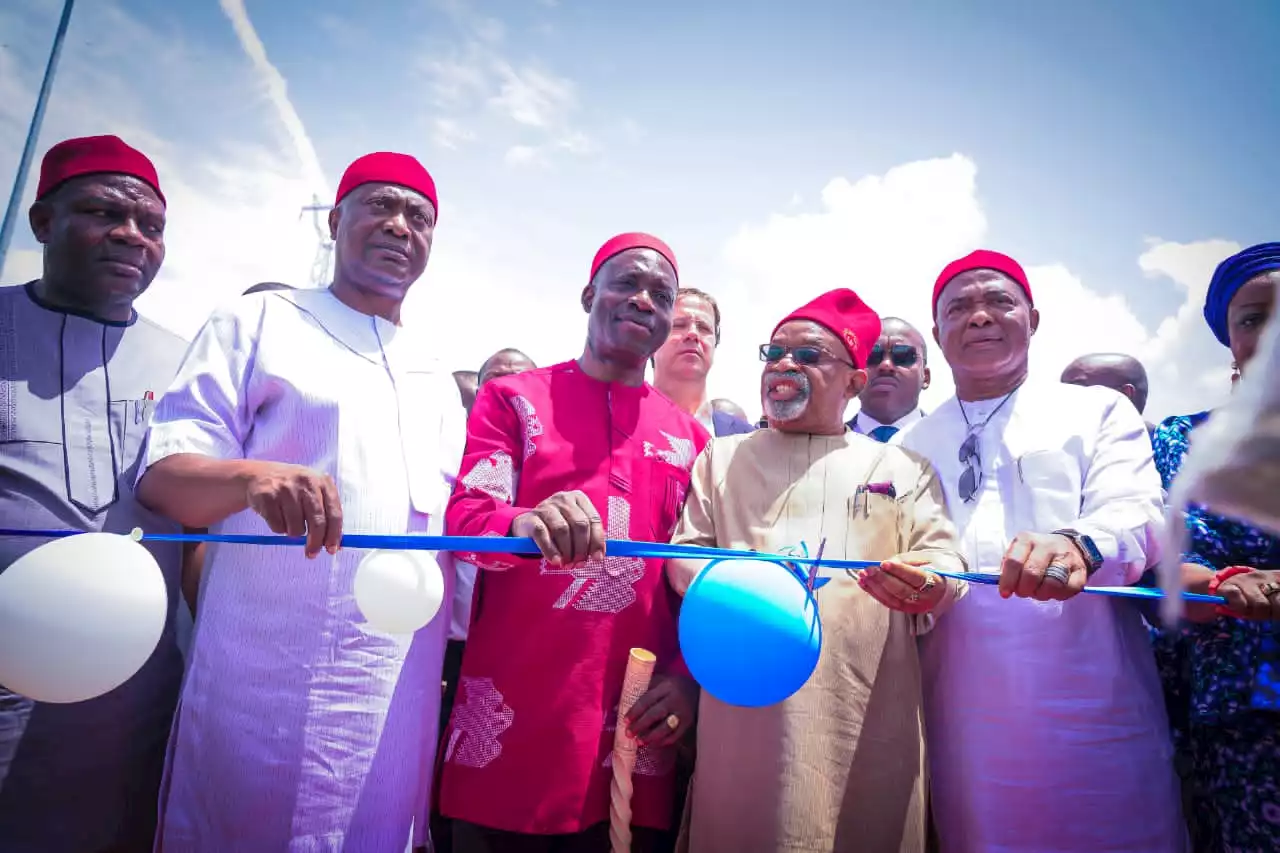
(839, 765)
(1046, 724)
(572, 455)
(77, 371)
(309, 412)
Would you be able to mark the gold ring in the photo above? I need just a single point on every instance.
(673, 722)
(1269, 589)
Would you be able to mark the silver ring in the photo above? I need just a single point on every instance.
(913, 597)
(1058, 572)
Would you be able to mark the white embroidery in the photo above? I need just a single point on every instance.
(494, 476)
(680, 455)
(608, 585)
(650, 761)
(530, 425)
(478, 722)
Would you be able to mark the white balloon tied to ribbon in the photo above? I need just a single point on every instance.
(399, 591)
(79, 616)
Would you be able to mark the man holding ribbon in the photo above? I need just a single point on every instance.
(840, 765)
(78, 368)
(572, 455)
(1047, 729)
(310, 412)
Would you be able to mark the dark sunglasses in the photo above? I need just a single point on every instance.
(902, 355)
(804, 355)
(971, 478)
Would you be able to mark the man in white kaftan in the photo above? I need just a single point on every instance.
(302, 728)
(1046, 724)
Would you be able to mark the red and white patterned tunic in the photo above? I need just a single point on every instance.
(528, 747)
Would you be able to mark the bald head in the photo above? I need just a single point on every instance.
(898, 327)
(1116, 371)
(504, 362)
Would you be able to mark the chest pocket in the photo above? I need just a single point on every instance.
(1050, 482)
(874, 526)
(668, 487)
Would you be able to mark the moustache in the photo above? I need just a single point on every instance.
(773, 377)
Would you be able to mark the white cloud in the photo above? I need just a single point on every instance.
(533, 97)
(448, 133)
(277, 93)
(233, 203)
(477, 85)
(888, 236)
(523, 155)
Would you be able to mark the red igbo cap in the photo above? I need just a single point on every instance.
(387, 167)
(983, 259)
(94, 155)
(633, 240)
(844, 313)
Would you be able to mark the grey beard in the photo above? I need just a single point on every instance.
(787, 410)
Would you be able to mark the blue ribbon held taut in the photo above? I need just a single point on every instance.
(615, 547)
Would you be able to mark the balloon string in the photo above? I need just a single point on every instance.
(615, 547)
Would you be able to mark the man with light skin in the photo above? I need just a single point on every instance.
(896, 374)
(681, 365)
(1123, 374)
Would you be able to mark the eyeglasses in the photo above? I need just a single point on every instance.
(972, 476)
(804, 355)
(902, 355)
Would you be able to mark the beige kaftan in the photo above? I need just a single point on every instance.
(840, 766)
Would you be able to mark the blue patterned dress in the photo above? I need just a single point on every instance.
(1221, 685)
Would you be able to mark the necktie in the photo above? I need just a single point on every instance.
(883, 433)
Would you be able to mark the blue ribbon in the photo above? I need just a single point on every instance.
(615, 547)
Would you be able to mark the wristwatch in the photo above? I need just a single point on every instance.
(1092, 556)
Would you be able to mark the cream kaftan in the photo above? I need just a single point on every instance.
(840, 765)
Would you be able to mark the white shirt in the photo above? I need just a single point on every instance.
(294, 708)
(864, 424)
(460, 616)
(1046, 721)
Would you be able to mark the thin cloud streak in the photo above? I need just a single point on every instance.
(277, 93)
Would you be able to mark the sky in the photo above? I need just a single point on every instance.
(1119, 151)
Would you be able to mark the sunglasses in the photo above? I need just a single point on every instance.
(807, 356)
(902, 355)
(971, 478)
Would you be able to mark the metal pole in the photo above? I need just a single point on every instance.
(33, 135)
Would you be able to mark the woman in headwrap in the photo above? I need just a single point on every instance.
(1221, 671)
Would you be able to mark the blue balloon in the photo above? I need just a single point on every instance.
(750, 632)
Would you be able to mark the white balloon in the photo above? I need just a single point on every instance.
(79, 617)
(399, 591)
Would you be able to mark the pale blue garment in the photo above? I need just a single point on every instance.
(73, 413)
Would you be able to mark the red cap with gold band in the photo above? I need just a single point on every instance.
(632, 240)
(983, 259)
(94, 155)
(387, 167)
(847, 317)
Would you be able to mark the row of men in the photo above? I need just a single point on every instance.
(311, 412)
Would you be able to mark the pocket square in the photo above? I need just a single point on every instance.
(886, 488)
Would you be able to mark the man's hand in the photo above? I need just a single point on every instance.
(1254, 595)
(294, 500)
(669, 699)
(904, 584)
(1025, 571)
(565, 527)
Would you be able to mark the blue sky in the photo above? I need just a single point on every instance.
(1119, 150)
